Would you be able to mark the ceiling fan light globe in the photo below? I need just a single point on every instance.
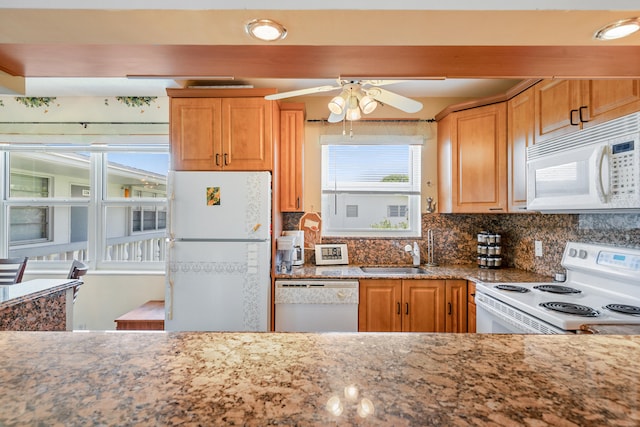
(353, 114)
(368, 104)
(337, 104)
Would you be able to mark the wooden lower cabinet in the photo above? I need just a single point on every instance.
(471, 307)
(413, 305)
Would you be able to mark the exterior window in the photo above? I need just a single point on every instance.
(28, 224)
(371, 187)
(397, 211)
(148, 219)
(104, 205)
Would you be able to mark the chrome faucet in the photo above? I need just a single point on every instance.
(415, 253)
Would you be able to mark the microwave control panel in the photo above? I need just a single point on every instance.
(624, 166)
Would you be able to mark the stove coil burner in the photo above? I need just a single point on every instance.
(570, 308)
(512, 288)
(557, 289)
(624, 309)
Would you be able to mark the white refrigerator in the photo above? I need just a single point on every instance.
(219, 251)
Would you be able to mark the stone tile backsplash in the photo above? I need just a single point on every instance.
(455, 238)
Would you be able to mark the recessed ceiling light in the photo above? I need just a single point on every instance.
(618, 29)
(265, 30)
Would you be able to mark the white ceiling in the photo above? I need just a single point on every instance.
(43, 86)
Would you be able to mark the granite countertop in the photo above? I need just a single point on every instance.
(32, 289)
(467, 272)
(257, 379)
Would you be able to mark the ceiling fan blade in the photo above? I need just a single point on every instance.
(301, 92)
(400, 102)
(336, 118)
(381, 82)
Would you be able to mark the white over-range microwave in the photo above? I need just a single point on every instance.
(591, 170)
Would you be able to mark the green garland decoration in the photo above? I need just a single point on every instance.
(137, 101)
(35, 101)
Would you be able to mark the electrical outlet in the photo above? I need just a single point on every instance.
(538, 248)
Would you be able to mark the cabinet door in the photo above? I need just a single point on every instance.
(379, 309)
(456, 306)
(471, 307)
(247, 134)
(480, 160)
(423, 305)
(195, 133)
(291, 158)
(610, 99)
(520, 129)
(557, 109)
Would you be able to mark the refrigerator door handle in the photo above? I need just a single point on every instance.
(170, 302)
(171, 268)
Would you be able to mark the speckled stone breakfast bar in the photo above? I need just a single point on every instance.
(257, 379)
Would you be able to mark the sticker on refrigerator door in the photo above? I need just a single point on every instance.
(213, 196)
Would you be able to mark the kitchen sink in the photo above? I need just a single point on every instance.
(394, 270)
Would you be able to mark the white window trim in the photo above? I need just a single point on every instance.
(413, 190)
(97, 202)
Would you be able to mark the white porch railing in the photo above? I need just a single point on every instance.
(137, 248)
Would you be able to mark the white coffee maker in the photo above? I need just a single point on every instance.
(298, 245)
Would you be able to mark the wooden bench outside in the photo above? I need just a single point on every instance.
(148, 317)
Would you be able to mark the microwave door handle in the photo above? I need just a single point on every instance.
(602, 173)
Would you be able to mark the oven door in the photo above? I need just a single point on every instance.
(496, 317)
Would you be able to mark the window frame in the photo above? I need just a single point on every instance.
(412, 189)
(97, 203)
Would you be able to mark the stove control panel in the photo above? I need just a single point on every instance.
(614, 262)
(621, 260)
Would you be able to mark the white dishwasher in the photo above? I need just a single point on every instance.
(316, 305)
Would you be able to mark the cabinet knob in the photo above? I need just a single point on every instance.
(217, 159)
(407, 308)
(398, 309)
(450, 308)
(226, 159)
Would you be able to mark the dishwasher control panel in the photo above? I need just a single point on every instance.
(316, 305)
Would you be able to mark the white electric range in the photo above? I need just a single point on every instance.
(602, 287)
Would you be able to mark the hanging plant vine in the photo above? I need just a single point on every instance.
(35, 101)
(137, 101)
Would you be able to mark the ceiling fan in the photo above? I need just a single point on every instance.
(356, 97)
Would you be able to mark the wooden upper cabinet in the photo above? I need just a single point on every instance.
(565, 106)
(291, 166)
(520, 131)
(610, 99)
(195, 135)
(247, 126)
(472, 160)
(217, 133)
(557, 108)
